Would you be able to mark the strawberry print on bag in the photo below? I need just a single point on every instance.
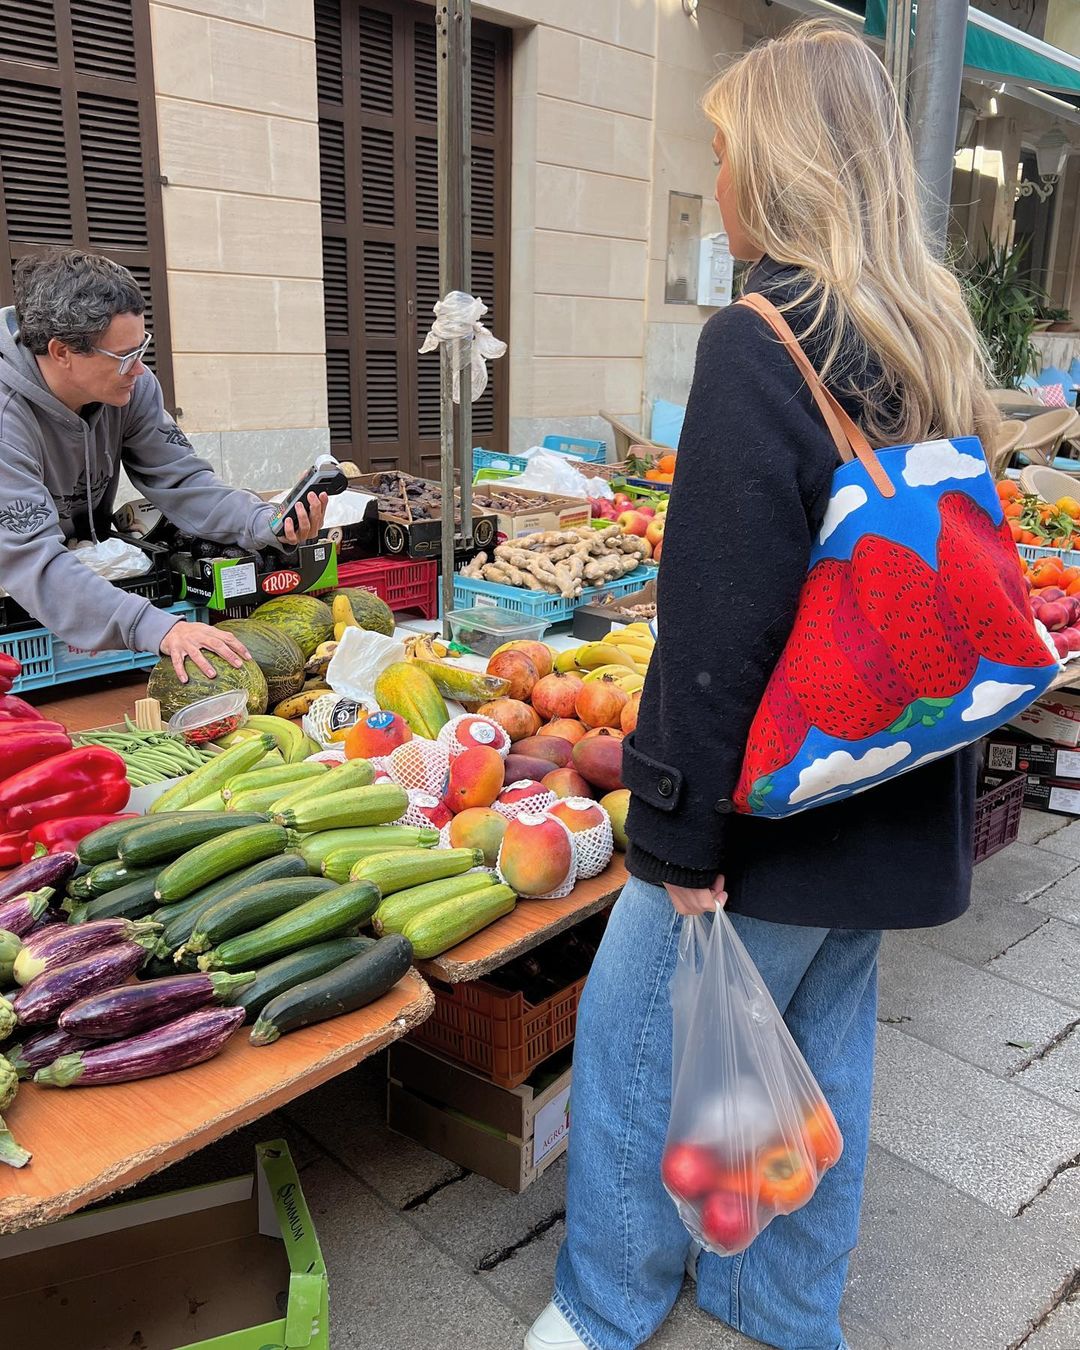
(913, 638)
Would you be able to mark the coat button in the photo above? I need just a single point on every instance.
(665, 786)
(725, 806)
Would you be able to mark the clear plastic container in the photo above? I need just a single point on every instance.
(210, 718)
(482, 630)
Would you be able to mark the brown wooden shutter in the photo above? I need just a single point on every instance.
(375, 64)
(78, 144)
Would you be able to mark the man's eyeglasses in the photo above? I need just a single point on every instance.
(128, 359)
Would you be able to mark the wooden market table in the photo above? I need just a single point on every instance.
(90, 1142)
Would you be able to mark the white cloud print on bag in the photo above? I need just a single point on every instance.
(842, 769)
(932, 462)
(841, 505)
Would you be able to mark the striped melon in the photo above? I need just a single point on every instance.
(307, 621)
(275, 653)
(172, 695)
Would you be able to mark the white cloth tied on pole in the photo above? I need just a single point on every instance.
(457, 322)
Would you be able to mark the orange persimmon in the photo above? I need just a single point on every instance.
(823, 1136)
(785, 1179)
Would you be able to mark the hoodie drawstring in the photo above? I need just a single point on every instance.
(89, 492)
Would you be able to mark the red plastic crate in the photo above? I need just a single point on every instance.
(401, 583)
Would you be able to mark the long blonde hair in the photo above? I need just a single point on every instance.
(823, 179)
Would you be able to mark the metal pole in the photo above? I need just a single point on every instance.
(454, 76)
(898, 46)
(940, 28)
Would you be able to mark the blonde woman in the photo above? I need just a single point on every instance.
(817, 188)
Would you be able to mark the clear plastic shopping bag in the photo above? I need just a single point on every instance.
(751, 1133)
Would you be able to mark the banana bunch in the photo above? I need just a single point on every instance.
(426, 647)
(623, 655)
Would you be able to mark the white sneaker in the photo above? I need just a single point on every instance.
(551, 1331)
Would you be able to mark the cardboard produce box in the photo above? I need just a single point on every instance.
(509, 1135)
(231, 1266)
(1054, 717)
(222, 583)
(594, 622)
(532, 512)
(1013, 754)
(412, 528)
(1045, 794)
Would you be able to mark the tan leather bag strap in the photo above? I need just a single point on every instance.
(849, 440)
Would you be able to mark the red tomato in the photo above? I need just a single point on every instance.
(689, 1171)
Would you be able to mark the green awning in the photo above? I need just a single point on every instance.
(995, 48)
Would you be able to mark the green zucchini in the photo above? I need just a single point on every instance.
(218, 857)
(354, 773)
(282, 776)
(353, 984)
(102, 844)
(214, 774)
(160, 841)
(288, 971)
(412, 867)
(133, 901)
(445, 925)
(210, 805)
(180, 918)
(253, 799)
(78, 889)
(380, 804)
(314, 848)
(397, 909)
(251, 906)
(111, 875)
(339, 912)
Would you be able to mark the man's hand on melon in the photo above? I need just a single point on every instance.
(185, 640)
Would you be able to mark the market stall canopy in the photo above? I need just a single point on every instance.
(995, 48)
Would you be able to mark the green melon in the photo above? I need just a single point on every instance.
(371, 613)
(307, 621)
(275, 653)
(172, 695)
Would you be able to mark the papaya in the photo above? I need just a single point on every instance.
(404, 689)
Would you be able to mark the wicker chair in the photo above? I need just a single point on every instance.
(1017, 403)
(1000, 452)
(626, 438)
(1043, 437)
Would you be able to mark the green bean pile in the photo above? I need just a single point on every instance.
(150, 756)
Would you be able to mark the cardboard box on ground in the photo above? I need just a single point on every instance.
(509, 1135)
(215, 1265)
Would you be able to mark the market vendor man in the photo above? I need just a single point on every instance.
(77, 404)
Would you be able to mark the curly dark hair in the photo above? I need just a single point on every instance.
(67, 294)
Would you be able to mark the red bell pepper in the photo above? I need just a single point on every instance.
(19, 726)
(11, 705)
(75, 783)
(9, 670)
(19, 749)
(61, 835)
(11, 847)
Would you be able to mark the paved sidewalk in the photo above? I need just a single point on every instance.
(971, 1226)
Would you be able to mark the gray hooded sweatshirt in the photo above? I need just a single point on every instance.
(58, 479)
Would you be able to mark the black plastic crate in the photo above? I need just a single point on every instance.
(158, 585)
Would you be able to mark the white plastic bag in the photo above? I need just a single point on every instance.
(360, 658)
(560, 475)
(457, 321)
(750, 1134)
(112, 559)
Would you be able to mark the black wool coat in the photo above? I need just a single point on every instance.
(752, 481)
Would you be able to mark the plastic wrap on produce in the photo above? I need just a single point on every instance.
(360, 658)
(558, 475)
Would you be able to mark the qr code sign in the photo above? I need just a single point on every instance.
(1001, 757)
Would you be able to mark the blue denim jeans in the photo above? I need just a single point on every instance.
(621, 1266)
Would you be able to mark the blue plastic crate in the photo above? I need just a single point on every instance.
(1032, 552)
(577, 447)
(470, 591)
(47, 660)
(492, 459)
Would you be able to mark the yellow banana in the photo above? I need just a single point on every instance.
(596, 654)
(629, 680)
(621, 636)
(637, 651)
(566, 662)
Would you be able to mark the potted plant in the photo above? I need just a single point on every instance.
(1006, 307)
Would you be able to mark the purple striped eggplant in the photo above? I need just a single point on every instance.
(177, 1045)
(45, 999)
(21, 914)
(57, 945)
(42, 1048)
(136, 1007)
(52, 870)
